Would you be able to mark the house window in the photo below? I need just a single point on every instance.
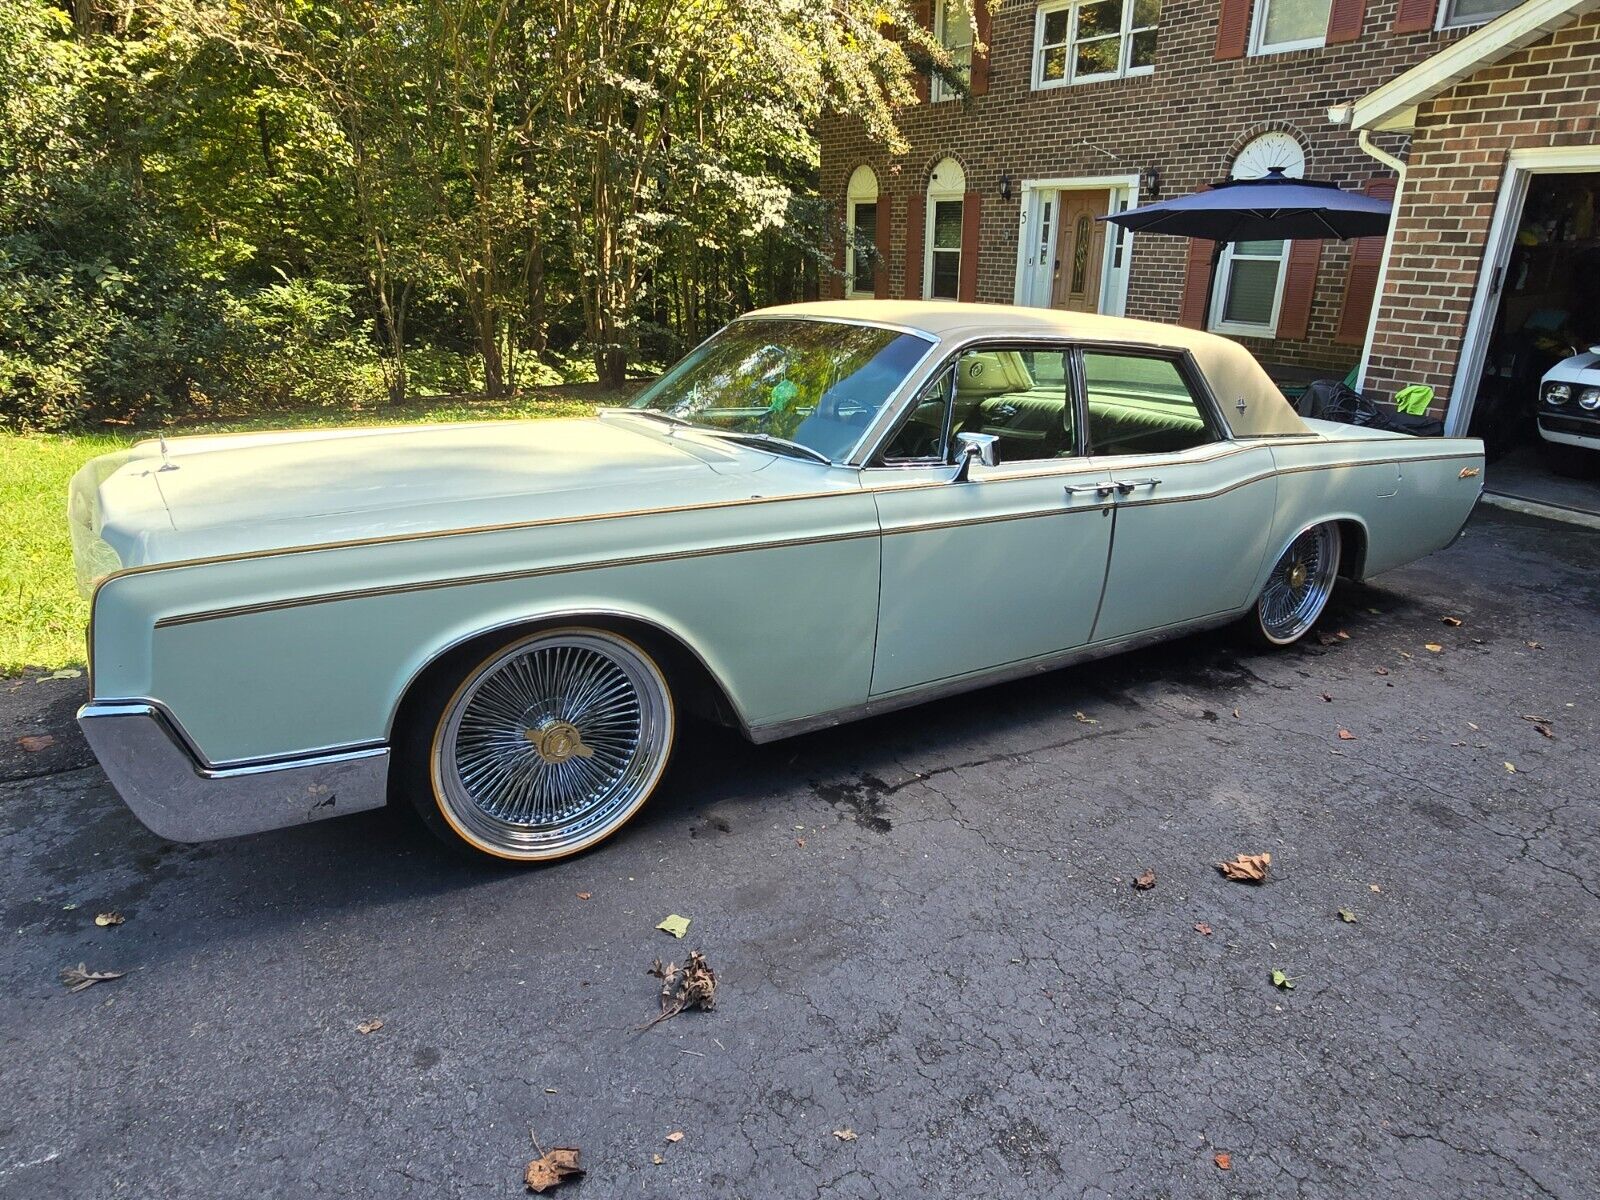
(1080, 41)
(1249, 283)
(941, 272)
(1455, 13)
(952, 28)
(1289, 25)
(861, 235)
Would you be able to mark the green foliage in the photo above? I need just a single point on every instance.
(214, 206)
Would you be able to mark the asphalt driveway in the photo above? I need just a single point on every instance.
(924, 932)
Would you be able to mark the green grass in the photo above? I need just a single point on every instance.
(42, 617)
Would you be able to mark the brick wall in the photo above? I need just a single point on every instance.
(1545, 95)
(1187, 119)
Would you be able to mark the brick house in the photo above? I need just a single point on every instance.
(1493, 272)
(1083, 107)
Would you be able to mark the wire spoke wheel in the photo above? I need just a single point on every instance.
(1298, 588)
(552, 743)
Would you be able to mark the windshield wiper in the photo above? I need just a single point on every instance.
(642, 412)
(767, 441)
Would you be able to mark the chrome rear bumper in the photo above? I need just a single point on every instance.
(169, 788)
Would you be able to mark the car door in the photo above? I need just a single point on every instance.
(1008, 564)
(1193, 508)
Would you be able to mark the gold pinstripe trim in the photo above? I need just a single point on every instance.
(671, 556)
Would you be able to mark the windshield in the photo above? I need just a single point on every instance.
(817, 383)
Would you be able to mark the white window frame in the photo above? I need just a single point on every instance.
(952, 186)
(939, 91)
(1072, 78)
(1219, 294)
(1291, 156)
(862, 189)
(1443, 21)
(1258, 34)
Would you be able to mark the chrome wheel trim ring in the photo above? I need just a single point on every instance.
(1299, 585)
(552, 743)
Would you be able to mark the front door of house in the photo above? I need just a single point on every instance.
(1080, 247)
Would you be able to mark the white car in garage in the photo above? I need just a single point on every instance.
(1569, 412)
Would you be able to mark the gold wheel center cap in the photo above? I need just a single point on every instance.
(558, 741)
(1297, 575)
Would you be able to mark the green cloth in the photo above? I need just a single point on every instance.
(1413, 400)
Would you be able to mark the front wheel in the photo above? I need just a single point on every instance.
(547, 746)
(1298, 588)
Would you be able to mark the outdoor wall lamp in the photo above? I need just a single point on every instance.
(1005, 185)
(1150, 182)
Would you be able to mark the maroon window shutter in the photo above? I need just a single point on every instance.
(916, 214)
(1294, 314)
(1196, 282)
(967, 285)
(880, 243)
(1344, 20)
(1361, 279)
(980, 60)
(1414, 16)
(1233, 28)
(841, 234)
(922, 13)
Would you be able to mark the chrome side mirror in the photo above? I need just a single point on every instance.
(970, 447)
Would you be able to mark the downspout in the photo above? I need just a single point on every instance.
(1399, 168)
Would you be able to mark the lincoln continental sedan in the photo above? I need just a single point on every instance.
(824, 512)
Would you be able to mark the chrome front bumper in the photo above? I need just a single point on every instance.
(169, 788)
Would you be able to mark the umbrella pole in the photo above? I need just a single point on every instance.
(1211, 285)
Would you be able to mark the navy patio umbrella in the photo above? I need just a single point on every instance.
(1272, 208)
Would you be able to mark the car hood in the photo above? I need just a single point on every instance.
(1580, 368)
(197, 497)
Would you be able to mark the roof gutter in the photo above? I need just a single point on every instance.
(1398, 166)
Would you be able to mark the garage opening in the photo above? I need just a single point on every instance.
(1538, 399)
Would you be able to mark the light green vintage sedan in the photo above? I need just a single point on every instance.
(825, 511)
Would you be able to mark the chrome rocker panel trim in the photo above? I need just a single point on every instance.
(149, 762)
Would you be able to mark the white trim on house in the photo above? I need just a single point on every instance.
(1224, 280)
(1521, 167)
(1069, 48)
(1442, 21)
(947, 184)
(1034, 278)
(1393, 107)
(862, 189)
(1258, 34)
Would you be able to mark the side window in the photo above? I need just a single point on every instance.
(1018, 395)
(921, 437)
(1140, 405)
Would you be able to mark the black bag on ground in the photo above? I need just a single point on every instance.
(1335, 400)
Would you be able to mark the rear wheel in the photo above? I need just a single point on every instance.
(1298, 588)
(545, 747)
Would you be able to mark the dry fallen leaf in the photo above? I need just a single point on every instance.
(1223, 1159)
(657, 1159)
(1145, 881)
(1381, 671)
(675, 1136)
(1348, 917)
(800, 842)
(1342, 636)
(1372, 887)
(79, 977)
(1511, 769)
(1326, 697)
(109, 918)
(1346, 736)
(35, 742)
(585, 895)
(1544, 731)
(370, 1026)
(549, 1170)
(1282, 981)
(845, 1135)
(1451, 620)
(1084, 719)
(1247, 868)
(1202, 929)
(1236, 714)
(1535, 646)
(1433, 647)
(693, 985)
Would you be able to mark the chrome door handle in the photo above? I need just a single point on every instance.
(1127, 485)
(1099, 489)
